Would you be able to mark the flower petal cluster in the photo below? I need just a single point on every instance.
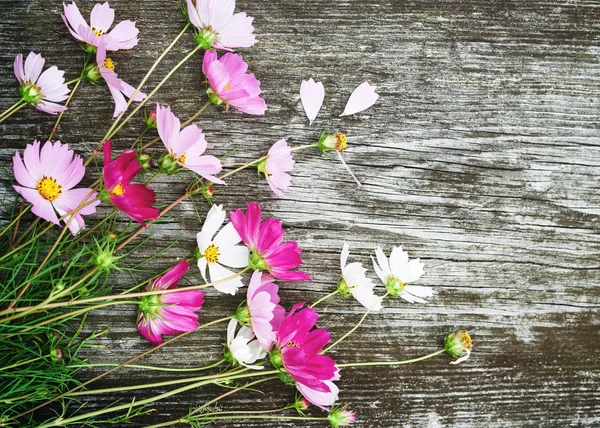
(265, 241)
(135, 200)
(220, 249)
(122, 36)
(41, 90)
(354, 282)
(230, 85)
(169, 313)
(218, 27)
(398, 271)
(186, 146)
(300, 348)
(47, 178)
(244, 349)
(264, 311)
(276, 166)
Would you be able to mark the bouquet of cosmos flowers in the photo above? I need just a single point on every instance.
(55, 268)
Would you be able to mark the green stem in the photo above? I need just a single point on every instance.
(155, 368)
(322, 299)
(357, 325)
(21, 363)
(16, 219)
(76, 80)
(60, 115)
(29, 229)
(247, 416)
(139, 138)
(393, 363)
(12, 111)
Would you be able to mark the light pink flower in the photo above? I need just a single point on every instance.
(276, 166)
(263, 311)
(117, 87)
(47, 178)
(312, 95)
(169, 313)
(186, 146)
(218, 27)
(230, 85)
(40, 89)
(362, 98)
(122, 36)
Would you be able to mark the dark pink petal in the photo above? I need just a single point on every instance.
(190, 299)
(172, 277)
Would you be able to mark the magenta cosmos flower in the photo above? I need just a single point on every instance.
(41, 90)
(117, 87)
(169, 313)
(47, 178)
(123, 35)
(218, 27)
(299, 354)
(185, 146)
(262, 311)
(230, 85)
(135, 200)
(276, 166)
(264, 239)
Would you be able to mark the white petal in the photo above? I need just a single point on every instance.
(312, 95)
(367, 298)
(355, 273)
(236, 257)
(398, 258)
(410, 272)
(344, 257)
(231, 331)
(362, 98)
(419, 291)
(202, 267)
(218, 273)
(383, 262)
(227, 236)
(380, 273)
(214, 220)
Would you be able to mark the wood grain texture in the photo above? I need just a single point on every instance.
(482, 157)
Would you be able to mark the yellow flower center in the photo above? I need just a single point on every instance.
(181, 158)
(211, 253)
(109, 64)
(294, 344)
(118, 190)
(228, 87)
(341, 141)
(465, 339)
(48, 188)
(97, 32)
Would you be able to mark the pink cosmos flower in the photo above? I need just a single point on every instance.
(135, 200)
(40, 89)
(117, 87)
(186, 146)
(300, 351)
(263, 311)
(169, 313)
(47, 178)
(276, 166)
(264, 239)
(312, 95)
(362, 98)
(218, 26)
(122, 36)
(230, 85)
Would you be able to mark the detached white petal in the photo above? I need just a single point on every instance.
(312, 95)
(244, 348)
(361, 99)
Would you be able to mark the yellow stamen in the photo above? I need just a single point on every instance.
(48, 188)
(97, 32)
(294, 344)
(211, 253)
(118, 190)
(466, 340)
(109, 64)
(181, 158)
(228, 87)
(341, 141)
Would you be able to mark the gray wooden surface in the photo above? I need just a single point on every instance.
(482, 157)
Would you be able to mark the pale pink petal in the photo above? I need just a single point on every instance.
(102, 17)
(193, 14)
(167, 125)
(73, 19)
(312, 95)
(18, 68)
(362, 98)
(318, 398)
(123, 36)
(33, 67)
(348, 168)
(22, 174)
(50, 108)
(41, 207)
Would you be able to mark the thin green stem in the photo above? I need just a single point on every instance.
(76, 80)
(20, 363)
(15, 220)
(322, 299)
(12, 111)
(247, 416)
(393, 363)
(139, 138)
(303, 147)
(155, 368)
(28, 230)
(357, 325)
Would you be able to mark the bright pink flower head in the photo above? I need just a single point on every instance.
(264, 239)
(218, 27)
(300, 348)
(117, 87)
(263, 312)
(169, 313)
(186, 146)
(230, 85)
(123, 36)
(135, 200)
(40, 89)
(47, 178)
(276, 166)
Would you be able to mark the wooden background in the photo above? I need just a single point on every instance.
(481, 157)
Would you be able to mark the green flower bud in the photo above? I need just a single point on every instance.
(168, 165)
(56, 355)
(150, 119)
(276, 360)
(145, 162)
(340, 417)
(214, 97)
(92, 72)
(206, 37)
(243, 315)
(30, 93)
(459, 345)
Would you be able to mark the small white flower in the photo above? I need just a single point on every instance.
(397, 272)
(355, 282)
(222, 250)
(244, 348)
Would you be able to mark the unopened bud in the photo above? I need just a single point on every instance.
(340, 417)
(92, 72)
(301, 404)
(150, 119)
(57, 355)
(145, 162)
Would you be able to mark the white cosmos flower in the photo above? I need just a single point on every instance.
(244, 348)
(221, 249)
(355, 282)
(397, 272)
